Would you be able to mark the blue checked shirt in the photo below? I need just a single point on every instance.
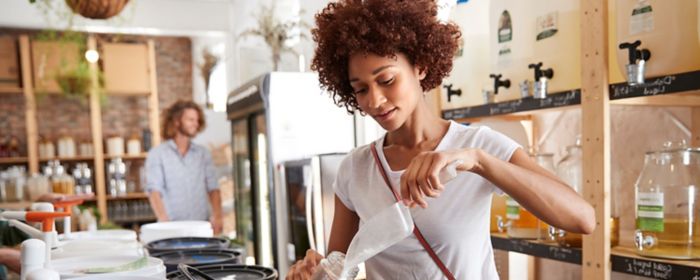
(183, 181)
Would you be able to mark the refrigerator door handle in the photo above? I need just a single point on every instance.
(309, 217)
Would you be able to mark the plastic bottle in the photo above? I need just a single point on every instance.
(331, 267)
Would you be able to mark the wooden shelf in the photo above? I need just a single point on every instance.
(11, 90)
(13, 160)
(626, 260)
(78, 158)
(22, 205)
(128, 196)
(623, 259)
(535, 248)
(128, 157)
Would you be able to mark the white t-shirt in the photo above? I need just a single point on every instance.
(456, 224)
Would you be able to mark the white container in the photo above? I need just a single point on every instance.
(557, 42)
(78, 248)
(133, 147)
(163, 230)
(470, 68)
(115, 146)
(107, 234)
(70, 268)
(66, 147)
(668, 29)
(511, 39)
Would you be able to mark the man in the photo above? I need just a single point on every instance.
(180, 174)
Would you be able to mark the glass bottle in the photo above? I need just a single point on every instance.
(666, 195)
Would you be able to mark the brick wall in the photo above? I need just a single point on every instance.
(121, 116)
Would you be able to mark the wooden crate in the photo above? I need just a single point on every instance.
(126, 68)
(9, 62)
(48, 58)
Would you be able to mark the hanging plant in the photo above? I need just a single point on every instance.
(92, 9)
(74, 77)
(97, 9)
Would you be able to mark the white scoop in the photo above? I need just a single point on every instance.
(385, 229)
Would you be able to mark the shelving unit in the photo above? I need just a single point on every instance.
(623, 259)
(32, 159)
(13, 160)
(127, 196)
(594, 99)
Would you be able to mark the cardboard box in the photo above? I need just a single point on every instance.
(126, 68)
(48, 58)
(9, 62)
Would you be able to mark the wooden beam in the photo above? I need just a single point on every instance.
(96, 127)
(595, 115)
(695, 127)
(30, 104)
(153, 112)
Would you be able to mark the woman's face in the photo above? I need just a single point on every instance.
(388, 89)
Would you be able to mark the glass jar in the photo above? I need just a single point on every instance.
(331, 267)
(37, 185)
(546, 161)
(666, 195)
(14, 182)
(61, 182)
(570, 170)
(498, 211)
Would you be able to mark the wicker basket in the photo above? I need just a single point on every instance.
(97, 9)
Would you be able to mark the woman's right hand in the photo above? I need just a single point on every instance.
(303, 269)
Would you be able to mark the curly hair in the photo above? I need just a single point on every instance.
(384, 28)
(173, 114)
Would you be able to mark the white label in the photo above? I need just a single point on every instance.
(512, 209)
(547, 25)
(642, 19)
(650, 205)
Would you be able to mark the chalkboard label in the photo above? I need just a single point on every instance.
(553, 100)
(654, 269)
(657, 86)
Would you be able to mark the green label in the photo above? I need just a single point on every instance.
(547, 25)
(546, 34)
(642, 10)
(650, 211)
(650, 224)
(512, 209)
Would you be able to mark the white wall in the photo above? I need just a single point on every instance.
(155, 17)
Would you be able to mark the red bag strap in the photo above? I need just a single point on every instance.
(416, 231)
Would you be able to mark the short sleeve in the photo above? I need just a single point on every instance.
(342, 183)
(155, 178)
(496, 144)
(209, 172)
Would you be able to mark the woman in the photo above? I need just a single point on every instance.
(381, 57)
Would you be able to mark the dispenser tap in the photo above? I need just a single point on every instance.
(451, 92)
(46, 219)
(637, 60)
(497, 83)
(67, 207)
(541, 78)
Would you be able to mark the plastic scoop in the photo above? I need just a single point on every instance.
(385, 229)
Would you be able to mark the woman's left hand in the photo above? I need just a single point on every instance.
(421, 177)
